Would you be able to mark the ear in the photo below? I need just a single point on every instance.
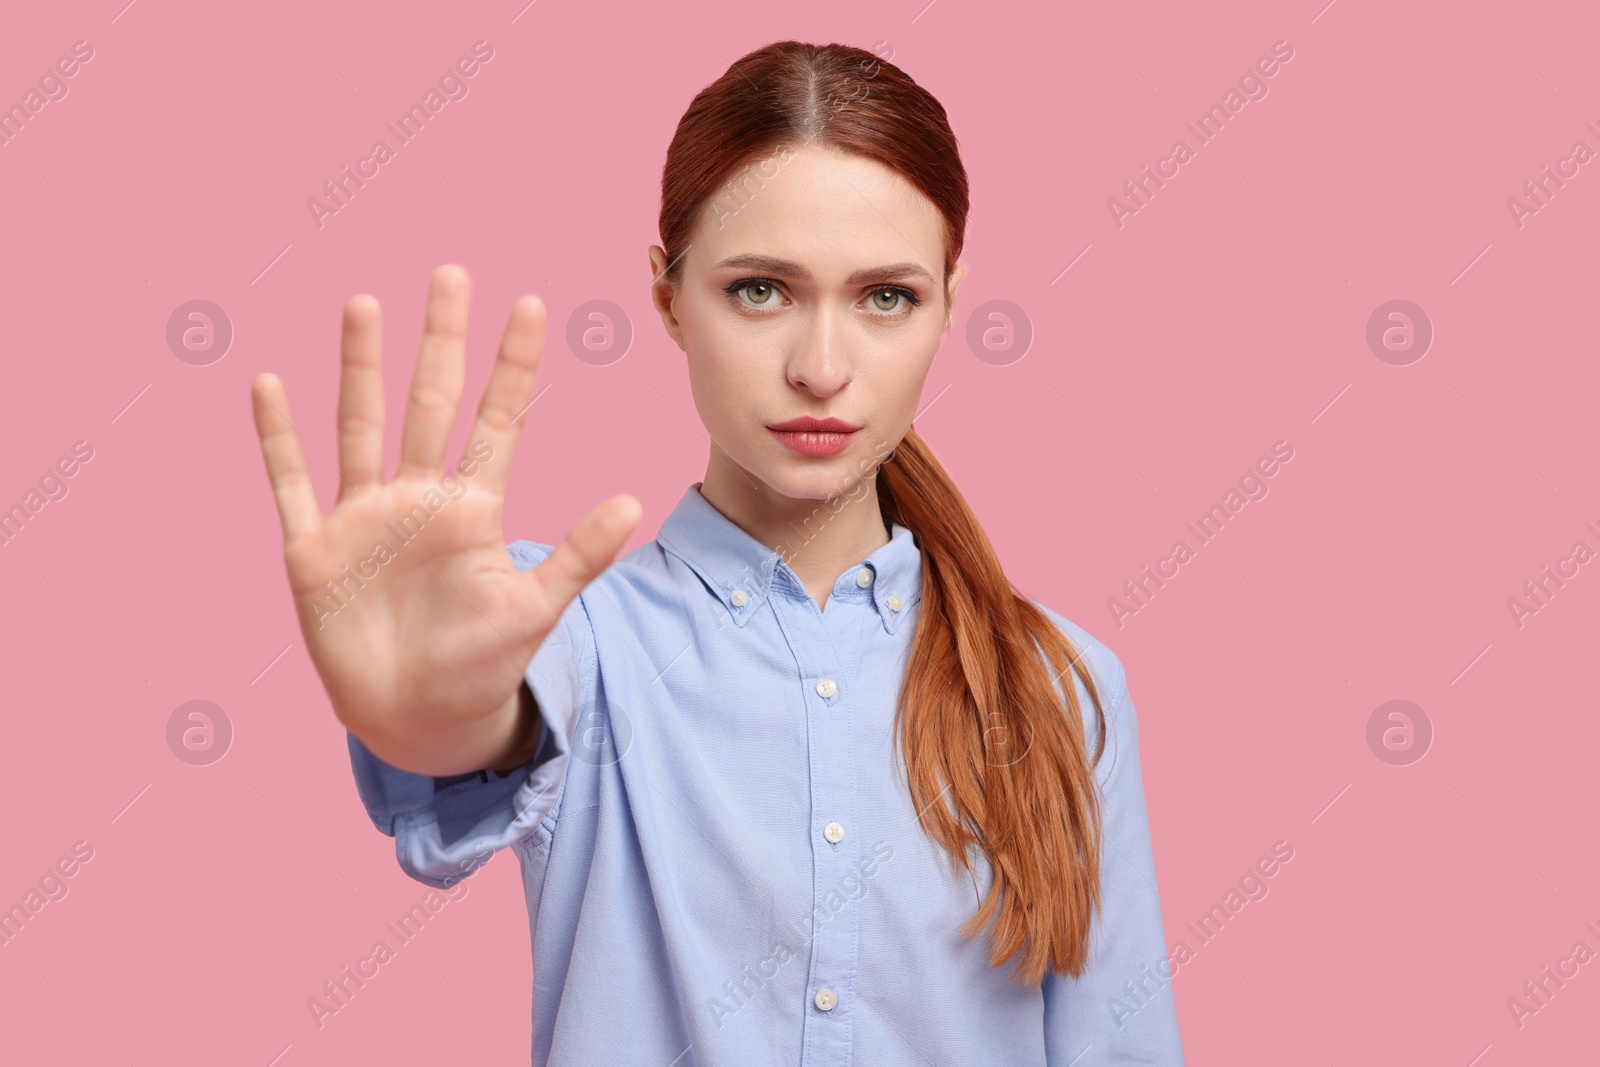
(950, 293)
(663, 294)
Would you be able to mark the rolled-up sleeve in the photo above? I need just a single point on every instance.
(445, 828)
(1121, 1011)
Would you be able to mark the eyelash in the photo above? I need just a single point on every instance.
(733, 294)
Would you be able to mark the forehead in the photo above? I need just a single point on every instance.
(831, 212)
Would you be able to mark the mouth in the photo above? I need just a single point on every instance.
(812, 436)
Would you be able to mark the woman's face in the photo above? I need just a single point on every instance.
(810, 287)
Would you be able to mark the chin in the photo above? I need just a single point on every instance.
(796, 476)
(814, 482)
(816, 479)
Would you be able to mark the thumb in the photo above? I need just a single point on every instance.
(588, 549)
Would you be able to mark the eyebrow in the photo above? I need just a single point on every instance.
(774, 265)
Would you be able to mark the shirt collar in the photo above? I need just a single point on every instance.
(740, 571)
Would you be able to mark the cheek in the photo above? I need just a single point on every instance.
(903, 375)
(713, 386)
(721, 345)
(729, 376)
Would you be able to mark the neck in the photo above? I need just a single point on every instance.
(819, 538)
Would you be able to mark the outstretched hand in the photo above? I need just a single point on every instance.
(417, 621)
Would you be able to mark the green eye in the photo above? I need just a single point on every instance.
(757, 293)
(894, 293)
(738, 292)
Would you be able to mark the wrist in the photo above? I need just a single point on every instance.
(526, 736)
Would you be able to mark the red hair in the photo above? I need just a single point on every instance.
(979, 715)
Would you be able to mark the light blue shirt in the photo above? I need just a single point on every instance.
(722, 862)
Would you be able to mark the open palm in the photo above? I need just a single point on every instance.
(417, 621)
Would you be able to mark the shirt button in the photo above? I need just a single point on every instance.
(826, 688)
(740, 598)
(895, 603)
(864, 578)
(826, 999)
(833, 832)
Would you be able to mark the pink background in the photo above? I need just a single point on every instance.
(1226, 315)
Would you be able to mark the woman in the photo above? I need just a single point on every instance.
(798, 781)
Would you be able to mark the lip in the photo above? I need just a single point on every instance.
(811, 424)
(810, 436)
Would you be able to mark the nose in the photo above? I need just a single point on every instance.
(818, 362)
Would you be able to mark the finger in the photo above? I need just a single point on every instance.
(286, 464)
(436, 382)
(502, 413)
(360, 397)
(590, 547)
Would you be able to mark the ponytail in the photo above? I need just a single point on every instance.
(980, 718)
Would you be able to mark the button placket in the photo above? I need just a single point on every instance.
(821, 659)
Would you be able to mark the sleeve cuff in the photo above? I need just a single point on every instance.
(446, 828)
